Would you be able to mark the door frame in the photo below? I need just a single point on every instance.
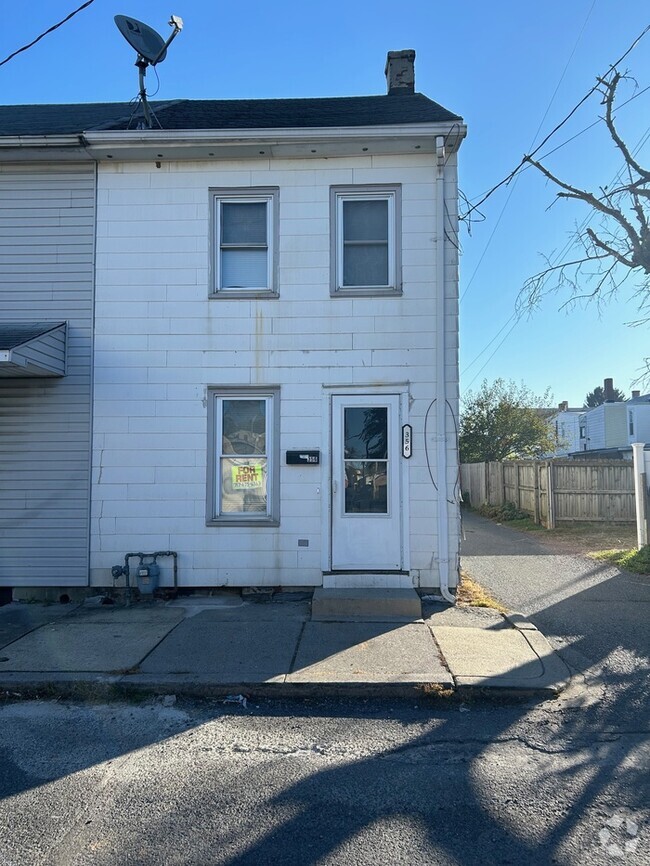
(401, 391)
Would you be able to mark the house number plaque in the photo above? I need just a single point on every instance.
(407, 438)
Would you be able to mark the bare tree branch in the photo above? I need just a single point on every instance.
(597, 242)
(610, 93)
(590, 199)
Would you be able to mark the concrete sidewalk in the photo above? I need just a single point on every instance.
(222, 644)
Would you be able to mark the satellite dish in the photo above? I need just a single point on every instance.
(150, 47)
(149, 44)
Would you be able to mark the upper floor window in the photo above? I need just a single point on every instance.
(245, 225)
(365, 240)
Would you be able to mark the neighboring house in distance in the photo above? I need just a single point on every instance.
(275, 339)
(565, 424)
(610, 429)
(638, 418)
(603, 427)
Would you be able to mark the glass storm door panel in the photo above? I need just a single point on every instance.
(366, 518)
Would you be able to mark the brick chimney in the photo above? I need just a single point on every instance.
(608, 390)
(635, 394)
(400, 72)
(563, 406)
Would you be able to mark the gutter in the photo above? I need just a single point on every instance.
(99, 138)
(137, 144)
(444, 564)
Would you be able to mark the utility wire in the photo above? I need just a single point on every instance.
(562, 144)
(556, 128)
(49, 30)
(534, 139)
(517, 315)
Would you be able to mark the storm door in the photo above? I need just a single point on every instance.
(366, 520)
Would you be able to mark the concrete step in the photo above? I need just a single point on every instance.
(374, 605)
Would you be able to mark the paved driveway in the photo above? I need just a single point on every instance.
(594, 614)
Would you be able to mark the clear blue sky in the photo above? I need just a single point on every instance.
(510, 69)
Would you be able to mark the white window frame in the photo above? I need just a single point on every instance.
(245, 195)
(215, 515)
(338, 196)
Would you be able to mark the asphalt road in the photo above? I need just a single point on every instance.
(565, 781)
(305, 784)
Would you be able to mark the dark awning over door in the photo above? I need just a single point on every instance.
(32, 349)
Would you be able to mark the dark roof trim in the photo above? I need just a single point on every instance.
(32, 349)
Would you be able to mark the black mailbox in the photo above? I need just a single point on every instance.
(303, 458)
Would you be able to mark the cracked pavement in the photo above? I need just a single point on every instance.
(320, 782)
(563, 781)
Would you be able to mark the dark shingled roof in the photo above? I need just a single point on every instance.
(226, 114)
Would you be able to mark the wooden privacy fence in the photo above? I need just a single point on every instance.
(555, 490)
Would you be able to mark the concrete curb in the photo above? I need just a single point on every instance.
(81, 687)
(75, 686)
(555, 669)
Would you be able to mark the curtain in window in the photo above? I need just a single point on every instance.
(365, 243)
(244, 245)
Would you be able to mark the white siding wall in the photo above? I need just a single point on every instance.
(46, 274)
(595, 428)
(565, 426)
(160, 342)
(641, 415)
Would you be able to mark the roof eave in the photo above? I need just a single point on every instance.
(292, 142)
(38, 148)
(304, 142)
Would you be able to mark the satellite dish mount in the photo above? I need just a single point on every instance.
(151, 49)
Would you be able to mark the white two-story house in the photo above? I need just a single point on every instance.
(275, 338)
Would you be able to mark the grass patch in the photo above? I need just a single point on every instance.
(437, 690)
(637, 561)
(506, 512)
(473, 594)
(525, 523)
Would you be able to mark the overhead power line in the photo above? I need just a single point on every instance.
(555, 129)
(534, 139)
(517, 315)
(45, 33)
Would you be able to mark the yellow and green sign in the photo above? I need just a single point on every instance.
(247, 477)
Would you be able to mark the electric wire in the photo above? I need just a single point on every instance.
(571, 242)
(556, 128)
(533, 140)
(46, 32)
(457, 483)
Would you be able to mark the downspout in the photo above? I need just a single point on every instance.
(441, 379)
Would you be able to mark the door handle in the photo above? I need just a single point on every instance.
(334, 486)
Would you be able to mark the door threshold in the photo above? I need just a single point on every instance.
(366, 571)
(367, 580)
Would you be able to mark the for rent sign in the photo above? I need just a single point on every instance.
(247, 477)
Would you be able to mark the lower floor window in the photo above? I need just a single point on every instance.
(244, 465)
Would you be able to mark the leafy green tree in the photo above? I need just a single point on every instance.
(597, 397)
(505, 421)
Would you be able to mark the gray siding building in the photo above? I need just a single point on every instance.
(47, 218)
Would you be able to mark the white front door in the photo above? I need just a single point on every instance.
(366, 519)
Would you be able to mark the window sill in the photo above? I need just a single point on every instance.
(369, 292)
(229, 294)
(242, 521)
